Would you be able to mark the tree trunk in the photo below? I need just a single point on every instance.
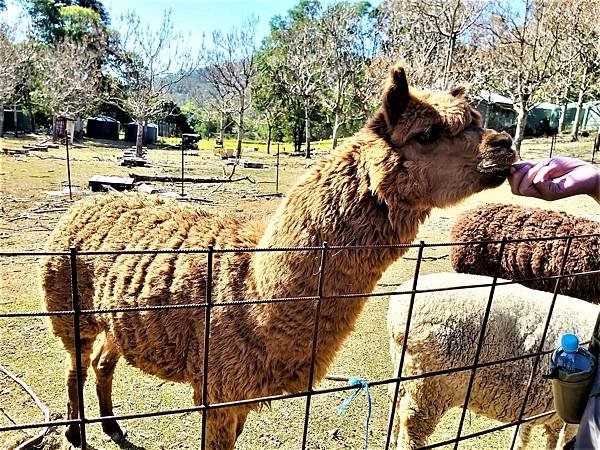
(240, 132)
(336, 129)
(221, 127)
(521, 123)
(582, 86)
(299, 129)
(563, 113)
(486, 116)
(16, 120)
(449, 57)
(139, 140)
(269, 133)
(307, 129)
(1, 119)
(30, 109)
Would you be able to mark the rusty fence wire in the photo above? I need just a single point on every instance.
(209, 304)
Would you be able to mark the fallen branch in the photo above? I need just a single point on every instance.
(37, 438)
(172, 179)
(273, 194)
(195, 199)
(42, 211)
(213, 190)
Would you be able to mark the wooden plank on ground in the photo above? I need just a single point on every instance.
(15, 151)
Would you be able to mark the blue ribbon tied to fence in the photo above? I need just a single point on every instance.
(362, 384)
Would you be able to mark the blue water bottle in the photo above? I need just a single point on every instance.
(572, 371)
(573, 358)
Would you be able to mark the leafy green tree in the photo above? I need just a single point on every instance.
(8, 81)
(54, 20)
(268, 99)
(28, 77)
(80, 23)
(295, 62)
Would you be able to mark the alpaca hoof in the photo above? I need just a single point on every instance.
(73, 436)
(118, 436)
(114, 431)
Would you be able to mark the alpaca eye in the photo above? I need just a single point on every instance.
(430, 135)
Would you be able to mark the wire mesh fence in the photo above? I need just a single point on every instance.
(208, 304)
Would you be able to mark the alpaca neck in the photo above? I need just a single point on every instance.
(335, 203)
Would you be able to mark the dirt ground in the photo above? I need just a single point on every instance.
(32, 198)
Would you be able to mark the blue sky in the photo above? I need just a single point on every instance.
(191, 18)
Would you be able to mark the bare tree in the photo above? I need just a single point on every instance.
(407, 36)
(576, 54)
(69, 78)
(450, 20)
(525, 45)
(342, 50)
(586, 37)
(565, 80)
(218, 108)
(154, 61)
(428, 35)
(231, 69)
(8, 80)
(215, 105)
(370, 68)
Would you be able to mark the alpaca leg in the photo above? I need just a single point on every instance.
(73, 431)
(419, 413)
(568, 432)
(558, 434)
(104, 364)
(396, 419)
(223, 425)
(241, 421)
(523, 436)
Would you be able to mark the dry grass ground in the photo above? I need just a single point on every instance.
(29, 351)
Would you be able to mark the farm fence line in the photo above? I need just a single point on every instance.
(325, 250)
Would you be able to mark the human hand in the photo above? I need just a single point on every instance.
(555, 178)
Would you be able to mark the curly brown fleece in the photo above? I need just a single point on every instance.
(529, 259)
(376, 190)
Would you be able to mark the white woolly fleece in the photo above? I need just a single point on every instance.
(444, 333)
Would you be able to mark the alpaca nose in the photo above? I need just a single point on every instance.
(500, 141)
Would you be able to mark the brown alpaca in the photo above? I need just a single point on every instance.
(421, 150)
(529, 259)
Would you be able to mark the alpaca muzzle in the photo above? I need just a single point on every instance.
(498, 155)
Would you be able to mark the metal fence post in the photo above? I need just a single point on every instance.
(277, 172)
(209, 281)
(315, 334)
(182, 169)
(69, 167)
(404, 342)
(77, 339)
(486, 317)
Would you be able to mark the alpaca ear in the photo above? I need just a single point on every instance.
(459, 91)
(395, 96)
